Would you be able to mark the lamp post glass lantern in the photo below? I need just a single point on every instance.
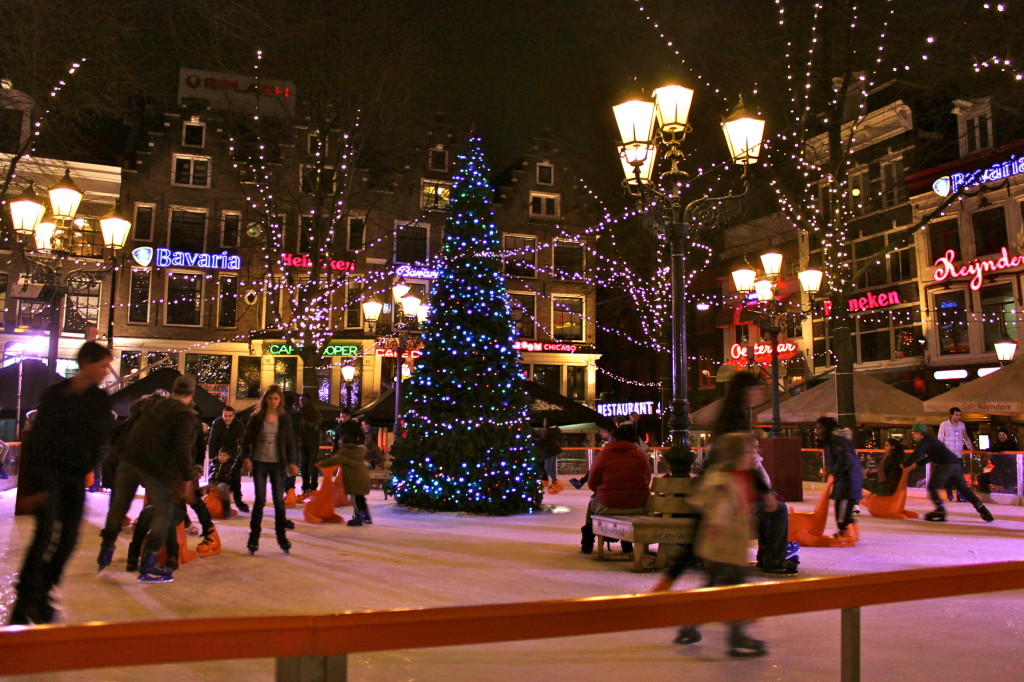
(649, 128)
(771, 314)
(1005, 350)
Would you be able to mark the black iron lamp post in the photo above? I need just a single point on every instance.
(771, 314)
(648, 128)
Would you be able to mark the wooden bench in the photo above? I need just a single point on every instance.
(667, 521)
(379, 479)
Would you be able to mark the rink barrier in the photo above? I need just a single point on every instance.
(315, 647)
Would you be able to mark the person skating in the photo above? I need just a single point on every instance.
(309, 443)
(71, 430)
(946, 471)
(355, 476)
(724, 494)
(269, 452)
(843, 464)
(953, 434)
(158, 453)
(226, 432)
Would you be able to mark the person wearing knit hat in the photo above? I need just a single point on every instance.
(946, 470)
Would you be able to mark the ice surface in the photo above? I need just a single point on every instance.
(418, 559)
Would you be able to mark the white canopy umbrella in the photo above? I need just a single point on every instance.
(996, 393)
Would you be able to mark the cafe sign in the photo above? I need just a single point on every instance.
(330, 351)
(945, 267)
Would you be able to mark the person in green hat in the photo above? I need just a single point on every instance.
(946, 470)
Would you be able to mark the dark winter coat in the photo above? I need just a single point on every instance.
(69, 434)
(163, 439)
(351, 429)
(222, 474)
(355, 474)
(931, 450)
(287, 451)
(843, 463)
(621, 476)
(309, 427)
(223, 435)
(551, 441)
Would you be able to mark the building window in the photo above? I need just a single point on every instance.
(520, 255)
(212, 372)
(138, 296)
(191, 171)
(998, 314)
(184, 303)
(989, 231)
(247, 386)
(227, 302)
(316, 145)
(951, 314)
(188, 231)
(874, 337)
(193, 134)
(82, 307)
(978, 133)
(316, 180)
(903, 265)
(567, 322)
(822, 342)
(943, 236)
(3, 301)
(438, 159)
(860, 192)
(158, 360)
(353, 307)
(356, 233)
(569, 259)
(130, 362)
(545, 174)
(411, 243)
(33, 315)
(230, 228)
(285, 371)
(142, 228)
(545, 205)
(894, 192)
(307, 234)
(434, 195)
(548, 376)
(524, 311)
(576, 382)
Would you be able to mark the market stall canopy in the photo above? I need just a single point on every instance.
(163, 379)
(996, 393)
(877, 404)
(708, 415)
(36, 377)
(543, 402)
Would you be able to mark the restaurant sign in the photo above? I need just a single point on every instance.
(975, 268)
(763, 352)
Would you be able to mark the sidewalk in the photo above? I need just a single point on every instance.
(418, 559)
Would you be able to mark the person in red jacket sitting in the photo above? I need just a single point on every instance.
(621, 480)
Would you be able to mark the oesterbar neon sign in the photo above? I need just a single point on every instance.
(950, 184)
(763, 351)
(975, 269)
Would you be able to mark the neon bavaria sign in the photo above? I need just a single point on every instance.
(976, 268)
(953, 183)
(166, 258)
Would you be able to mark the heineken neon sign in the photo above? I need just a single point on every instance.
(954, 182)
(166, 258)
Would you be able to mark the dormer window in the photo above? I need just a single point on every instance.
(545, 174)
(974, 124)
(438, 159)
(316, 145)
(193, 134)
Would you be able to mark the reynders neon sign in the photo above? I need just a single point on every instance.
(166, 258)
(538, 346)
(304, 261)
(953, 183)
(763, 351)
(975, 268)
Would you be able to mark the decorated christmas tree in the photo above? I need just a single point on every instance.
(467, 445)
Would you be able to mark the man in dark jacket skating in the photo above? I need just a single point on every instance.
(71, 430)
(843, 464)
(946, 470)
(158, 454)
(226, 433)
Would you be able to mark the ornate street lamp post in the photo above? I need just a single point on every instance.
(771, 314)
(647, 128)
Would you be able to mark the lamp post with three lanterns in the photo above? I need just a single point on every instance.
(647, 128)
